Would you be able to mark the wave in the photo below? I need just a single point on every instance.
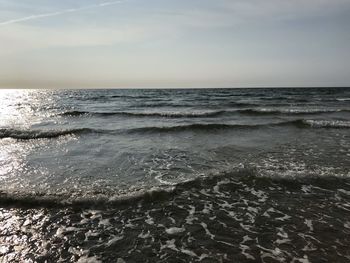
(289, 111)
(300, 123)
(197, 102)
(327, 123)
(103, 199)
(205, 127)
(193, 127)
(204, 114)
(41, 134)
(80, 113)
(148, 114)
(42, 199)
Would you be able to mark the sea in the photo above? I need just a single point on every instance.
(175, 175)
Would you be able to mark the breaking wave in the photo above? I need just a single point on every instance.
(155, 193)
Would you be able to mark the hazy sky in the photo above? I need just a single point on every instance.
(178, 43)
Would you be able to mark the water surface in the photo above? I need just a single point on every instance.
(205, 175)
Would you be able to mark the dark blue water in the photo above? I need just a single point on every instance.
(206, 175)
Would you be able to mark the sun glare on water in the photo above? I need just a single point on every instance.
(18, 114)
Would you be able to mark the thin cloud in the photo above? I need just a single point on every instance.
(66, 11)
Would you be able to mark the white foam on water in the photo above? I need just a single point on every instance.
(149, 219)
(91, 234)
(282, 234)
(144, 236)
(190, 218)
(309, 224)
(86, 259)
(83, 256)
(216, 188)
(129, 223)
(174, 230)
(309, 247)
(62, 230)
(266, 214)
(307, 189)
(94, 214)
(251, 218)
(76, 251)
(188, 252)
(203, 256)
(226, 243)
(247, 228)
(204, 225)
(261, 195)
(160, 179)
(207, 208)
(104, 222)
(321, 189)
(282, 241)
(305, 259)
(275, 253)
(253, 209)
(113, 240)
(246, 238)
(83, 221)
(172, 220)
(233, 215)
(225, 205)
(328, 123)
(244, 249)
(170, 244)
(4, 249)
(283, 218)
(204, 192)
(273, 210)
(344, 191)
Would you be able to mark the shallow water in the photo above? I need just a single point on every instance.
(215, 175)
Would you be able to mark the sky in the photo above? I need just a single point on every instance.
(178, 43)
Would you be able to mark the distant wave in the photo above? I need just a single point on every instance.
(271, 111)
(300, 123)
(204, 114)
(191, 127)
(197, 114)
(80, 113)
(217, 126)
(189, 103)
(40, 134)
(327, 123)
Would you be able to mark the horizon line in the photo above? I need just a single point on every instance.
(174, 88)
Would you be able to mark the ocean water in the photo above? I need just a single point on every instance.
(192, 175)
